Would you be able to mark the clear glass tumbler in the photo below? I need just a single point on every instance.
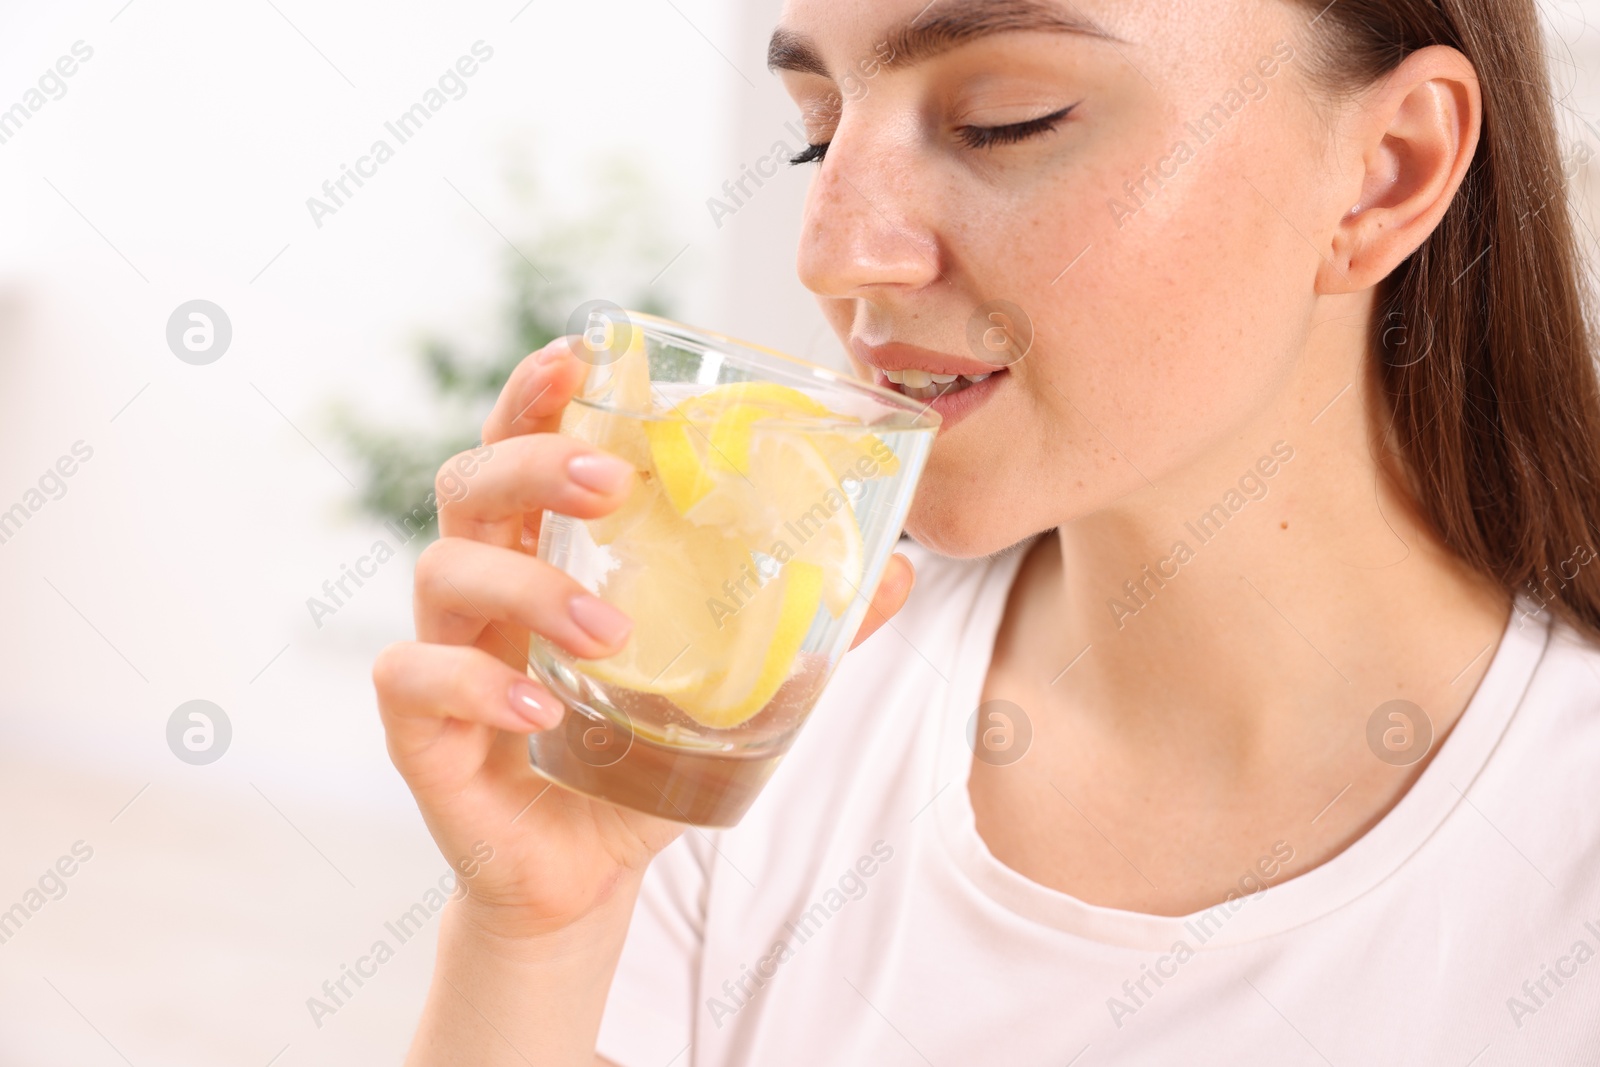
(770, 493)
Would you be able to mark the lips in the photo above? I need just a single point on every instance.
(975, 380)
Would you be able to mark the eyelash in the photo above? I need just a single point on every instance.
(989, 136)
(812, 153)
(971, 136)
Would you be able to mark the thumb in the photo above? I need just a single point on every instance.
(893, 588)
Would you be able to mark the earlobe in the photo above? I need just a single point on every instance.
(1415, 133)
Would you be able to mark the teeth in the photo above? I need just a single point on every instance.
(921, 379)
(925, 385)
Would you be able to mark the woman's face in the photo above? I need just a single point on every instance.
(1147, 200)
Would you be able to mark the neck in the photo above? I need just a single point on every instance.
(1282, 578)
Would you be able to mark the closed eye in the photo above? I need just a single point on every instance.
(971, 136)
(989, 136)
(812, 153)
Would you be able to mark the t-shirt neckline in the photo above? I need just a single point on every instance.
(1376, 856)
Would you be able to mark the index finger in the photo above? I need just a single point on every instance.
(536, 393)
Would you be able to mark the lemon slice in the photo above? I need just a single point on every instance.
(772, 488)
(859, 456)
(766, 633)
(837, 549)
(623, 386)
(772, 395)
(737, 406)
(726, 477)
(628, 382)
(613, 528)
(678, 456)
(708, 436)
(657, 658)
(669, 581)
(813, 519)
(719, 660)
(729, 440)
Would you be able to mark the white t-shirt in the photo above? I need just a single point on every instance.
(855, 916)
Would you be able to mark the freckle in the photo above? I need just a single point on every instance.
(1283, 525)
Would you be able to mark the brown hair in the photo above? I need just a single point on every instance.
(1479, 338)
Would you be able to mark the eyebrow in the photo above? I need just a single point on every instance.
(939, 27)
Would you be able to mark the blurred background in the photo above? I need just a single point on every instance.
(183, 501)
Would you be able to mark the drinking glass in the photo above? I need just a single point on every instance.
(769, 495)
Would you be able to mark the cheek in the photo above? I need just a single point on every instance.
(1185, 320)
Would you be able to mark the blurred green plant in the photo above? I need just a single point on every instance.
(614, 249)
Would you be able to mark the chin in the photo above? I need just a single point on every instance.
(961, 525)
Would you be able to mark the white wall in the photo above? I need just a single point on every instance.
(178, 563)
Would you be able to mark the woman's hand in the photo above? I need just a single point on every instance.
(458, 703)
(526, 956)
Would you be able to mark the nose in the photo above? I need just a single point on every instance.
(868, 220)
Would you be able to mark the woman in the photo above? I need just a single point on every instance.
(1260, 585)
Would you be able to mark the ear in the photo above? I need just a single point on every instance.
(1415, 132)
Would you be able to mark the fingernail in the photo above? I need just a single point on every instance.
(598, 473)
(552, 352)
(599, 620)
(534, 706)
